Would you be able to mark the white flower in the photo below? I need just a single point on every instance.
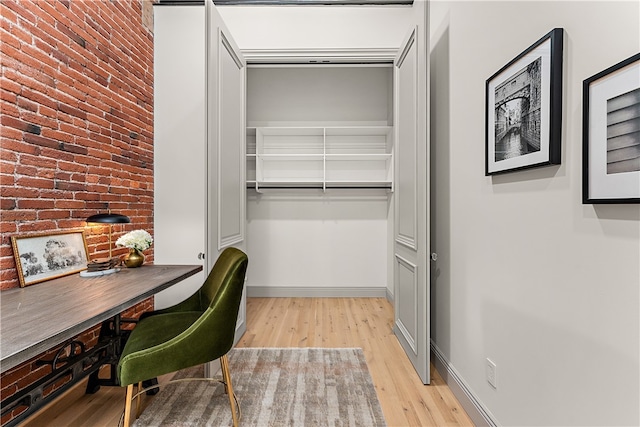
(136, 239)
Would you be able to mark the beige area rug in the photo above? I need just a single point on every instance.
(275, 387)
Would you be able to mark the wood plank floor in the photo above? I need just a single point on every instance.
(306, 322)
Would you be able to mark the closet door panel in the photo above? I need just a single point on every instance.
(406, 187)
(231, 177)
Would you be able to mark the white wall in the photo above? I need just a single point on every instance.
(331, 244)
(546, 287)
(310, 27)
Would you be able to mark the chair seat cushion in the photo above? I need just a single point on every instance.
(150, 332)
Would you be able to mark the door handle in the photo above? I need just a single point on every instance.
(434, 256)
(201, 255)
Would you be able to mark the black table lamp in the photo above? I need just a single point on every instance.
(108, 218)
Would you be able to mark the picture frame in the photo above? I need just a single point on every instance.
(46, 256)
(611, 134)
(523, 117)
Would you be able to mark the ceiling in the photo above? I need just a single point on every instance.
(296, 2)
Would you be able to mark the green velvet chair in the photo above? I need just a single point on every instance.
(196, 331)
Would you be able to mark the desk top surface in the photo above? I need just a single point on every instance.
(38, 317)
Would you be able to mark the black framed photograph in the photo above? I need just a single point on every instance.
(611, 134)
(524, 109)
(46, 256)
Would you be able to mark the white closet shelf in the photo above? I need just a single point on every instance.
(358, 156)
(290, 156)
(320, 156)
(357, 130)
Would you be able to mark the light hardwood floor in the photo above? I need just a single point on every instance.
(306, 322)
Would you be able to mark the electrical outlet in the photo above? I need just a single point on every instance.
(491, 373)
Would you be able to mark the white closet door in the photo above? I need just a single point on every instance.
(226, 85)
(179, 144)
(411, 228)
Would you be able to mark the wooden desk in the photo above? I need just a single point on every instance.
(39, 317)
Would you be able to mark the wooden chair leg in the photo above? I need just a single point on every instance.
(138, 400)
(224, 366)
(127, 405)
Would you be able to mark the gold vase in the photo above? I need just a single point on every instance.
(134, 258)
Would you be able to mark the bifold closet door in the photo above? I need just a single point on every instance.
(226, 135)
(411, 227)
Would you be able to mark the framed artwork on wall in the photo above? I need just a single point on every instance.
(611, 134)
(46, 256)
(523, 116)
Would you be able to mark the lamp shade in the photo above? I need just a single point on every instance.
(109, 218)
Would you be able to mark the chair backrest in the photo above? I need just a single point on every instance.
(220, 298)
(229, 268)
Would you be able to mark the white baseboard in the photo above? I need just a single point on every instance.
(478, 413)
(390, 296)
(317, 292)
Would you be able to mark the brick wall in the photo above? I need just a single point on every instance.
(76, 126)
(77, 119)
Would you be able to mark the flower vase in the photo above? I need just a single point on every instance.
(134, 258)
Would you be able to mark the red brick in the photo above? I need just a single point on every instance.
(45, 173)
(30, 182)
(26, 170)
(74, 130)
(70, 186)
(75, 167)
(20, 192)
(39, 225)
(7, 134)
(39, 97)
(47, 112)
(39, 162)
(19, 147)
(7, 204)
(8, 167)
(57, 136)
(53, 214)
(26, 104)
(69, 204)
(13, 122)
(10, 85)
(56, 152)
(40, 140)
(35, 204)
(38, 120)
(7, 227)
(71, 223)
(17, 215)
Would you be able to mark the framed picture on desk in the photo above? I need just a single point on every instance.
(46, 256)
